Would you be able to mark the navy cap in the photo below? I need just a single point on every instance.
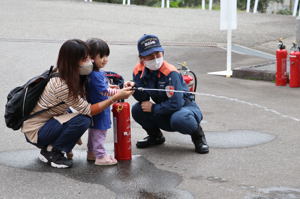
(149, 44)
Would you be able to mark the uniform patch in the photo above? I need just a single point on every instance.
(170, 91)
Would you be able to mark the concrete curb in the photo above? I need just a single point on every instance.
(256, 72)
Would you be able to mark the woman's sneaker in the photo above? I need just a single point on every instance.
(44, 155)
(55, 158)
(58, 160)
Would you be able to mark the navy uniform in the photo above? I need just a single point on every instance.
(171, 111)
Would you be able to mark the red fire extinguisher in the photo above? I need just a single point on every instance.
(294, 66)
(122, 130)
(281, 58)
(188, 79)
(188, 76)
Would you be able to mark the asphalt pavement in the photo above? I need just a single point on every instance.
(252, 126)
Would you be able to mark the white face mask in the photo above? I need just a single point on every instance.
(86, 68)
(154, 64)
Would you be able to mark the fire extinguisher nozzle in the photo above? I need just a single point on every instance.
(137, 88)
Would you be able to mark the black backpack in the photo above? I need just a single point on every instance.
(114, 78)
(22, 100)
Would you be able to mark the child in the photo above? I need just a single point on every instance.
(98, 90)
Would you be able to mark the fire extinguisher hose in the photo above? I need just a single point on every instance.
(164, 90)
(195, 80)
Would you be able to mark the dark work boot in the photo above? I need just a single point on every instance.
(199, 141)
(155, 138)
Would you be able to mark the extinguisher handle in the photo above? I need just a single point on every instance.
(281, 46)
(294, 47)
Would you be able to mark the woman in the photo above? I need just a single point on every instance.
(56, 131)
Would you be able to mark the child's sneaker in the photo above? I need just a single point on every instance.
(90, 156)
(106, 160)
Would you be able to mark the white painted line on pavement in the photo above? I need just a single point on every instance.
(251, 104)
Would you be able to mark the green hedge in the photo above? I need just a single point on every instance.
(241, 4)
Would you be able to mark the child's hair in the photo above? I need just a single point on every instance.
(70, 54)
(98, 46)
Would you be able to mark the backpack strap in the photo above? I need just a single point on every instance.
(50, 70)
(51, 75)
(55, 74)
(41, 111)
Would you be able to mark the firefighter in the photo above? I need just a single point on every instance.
(168, 111)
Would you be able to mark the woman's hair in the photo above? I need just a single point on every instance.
(98, 46)
(70, 54)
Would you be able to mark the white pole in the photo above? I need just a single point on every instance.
(210, 4)
(124, 2)
(168, 3)
(162, 3)
(229, 44)
(228, 21)
(295, 7)
(128, 2)
(248, 5)
(203, 4)
(255, 6)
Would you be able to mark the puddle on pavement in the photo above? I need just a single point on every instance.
(138, 178)
(276, 193)
(237, 138)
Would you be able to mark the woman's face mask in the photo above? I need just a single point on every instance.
(86, 68)
(154, 64)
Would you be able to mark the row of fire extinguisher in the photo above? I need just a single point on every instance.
(282, 77)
